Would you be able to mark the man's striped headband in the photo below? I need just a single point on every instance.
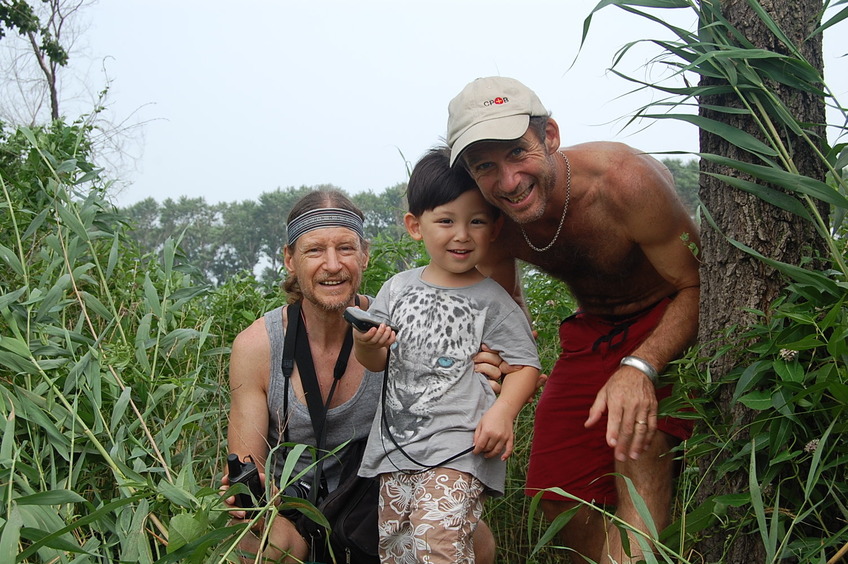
(324, 217)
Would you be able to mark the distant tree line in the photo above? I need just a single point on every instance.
(225, 239)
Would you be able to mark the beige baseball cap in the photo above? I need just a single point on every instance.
(492, 108)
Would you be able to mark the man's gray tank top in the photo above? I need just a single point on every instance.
(349, 421)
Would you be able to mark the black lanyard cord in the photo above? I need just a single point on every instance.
(385, 426)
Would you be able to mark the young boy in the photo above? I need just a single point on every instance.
(440, 439)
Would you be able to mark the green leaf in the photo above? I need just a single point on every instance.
(758, 400)
(780, 402)
(750, 377)
(188, 293)
(96, 305)
(53, 297)
(11, 259)
(789, 371)
(11, 297)
(815, 463)
(841, 15)
(757, 503)
(839, 392)
(775, 197)
(734, 135)
(73, 222)
(16, 345)
(142, 337)
(36, 224)
(641, 507)
(98, 514)
(11, 535)
(837, 345)
(51, 497)
(113, 255)
(794, 272)
(120, 408)
(17, 363)
(183, 529)
(191, 551)
(151, 297)
(39, 524)
(177, 495)
(66, 166)
(62, 544)
(807, 343)
(784, 179)
(621, 4)
(135, 545)
(29, 135)
(556, 526)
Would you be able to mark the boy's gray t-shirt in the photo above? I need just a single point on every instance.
(434, 399)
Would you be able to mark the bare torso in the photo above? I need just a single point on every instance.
(616, 193)
(603, 278)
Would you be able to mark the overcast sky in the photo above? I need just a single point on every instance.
(240, 98)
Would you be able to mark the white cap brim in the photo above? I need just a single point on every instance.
(497, 129)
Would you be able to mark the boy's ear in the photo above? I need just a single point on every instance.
(413, 226)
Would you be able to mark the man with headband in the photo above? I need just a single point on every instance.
(605, 219)
(325, 257)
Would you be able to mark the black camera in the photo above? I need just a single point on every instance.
(248, 474)
(300, 490)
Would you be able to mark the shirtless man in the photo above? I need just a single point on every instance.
(605, 219)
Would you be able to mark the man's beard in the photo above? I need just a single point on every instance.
(329, 304)
(333, 307)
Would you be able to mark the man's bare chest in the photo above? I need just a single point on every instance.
(593, 254)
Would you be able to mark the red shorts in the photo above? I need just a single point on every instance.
(565, 454)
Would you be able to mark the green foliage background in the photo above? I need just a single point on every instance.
(113, 367)
(115, 327)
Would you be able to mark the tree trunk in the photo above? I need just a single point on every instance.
(732, 280)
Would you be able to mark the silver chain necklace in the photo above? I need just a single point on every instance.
(564, 211)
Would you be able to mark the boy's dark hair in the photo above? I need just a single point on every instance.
(434, 183)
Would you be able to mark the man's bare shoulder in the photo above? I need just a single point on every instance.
(253, 340)
(619, 174)
(613, 158)
(250, 360)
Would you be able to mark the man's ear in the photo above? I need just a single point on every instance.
(367, 258)
(552, 136)
(497, 225)
(288, 257)
(413, 226)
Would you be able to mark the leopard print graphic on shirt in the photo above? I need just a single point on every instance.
(438, 338)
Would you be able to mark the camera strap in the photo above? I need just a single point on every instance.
(296, 349)
(388, 431)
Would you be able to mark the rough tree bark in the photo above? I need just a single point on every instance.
(732, 280)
